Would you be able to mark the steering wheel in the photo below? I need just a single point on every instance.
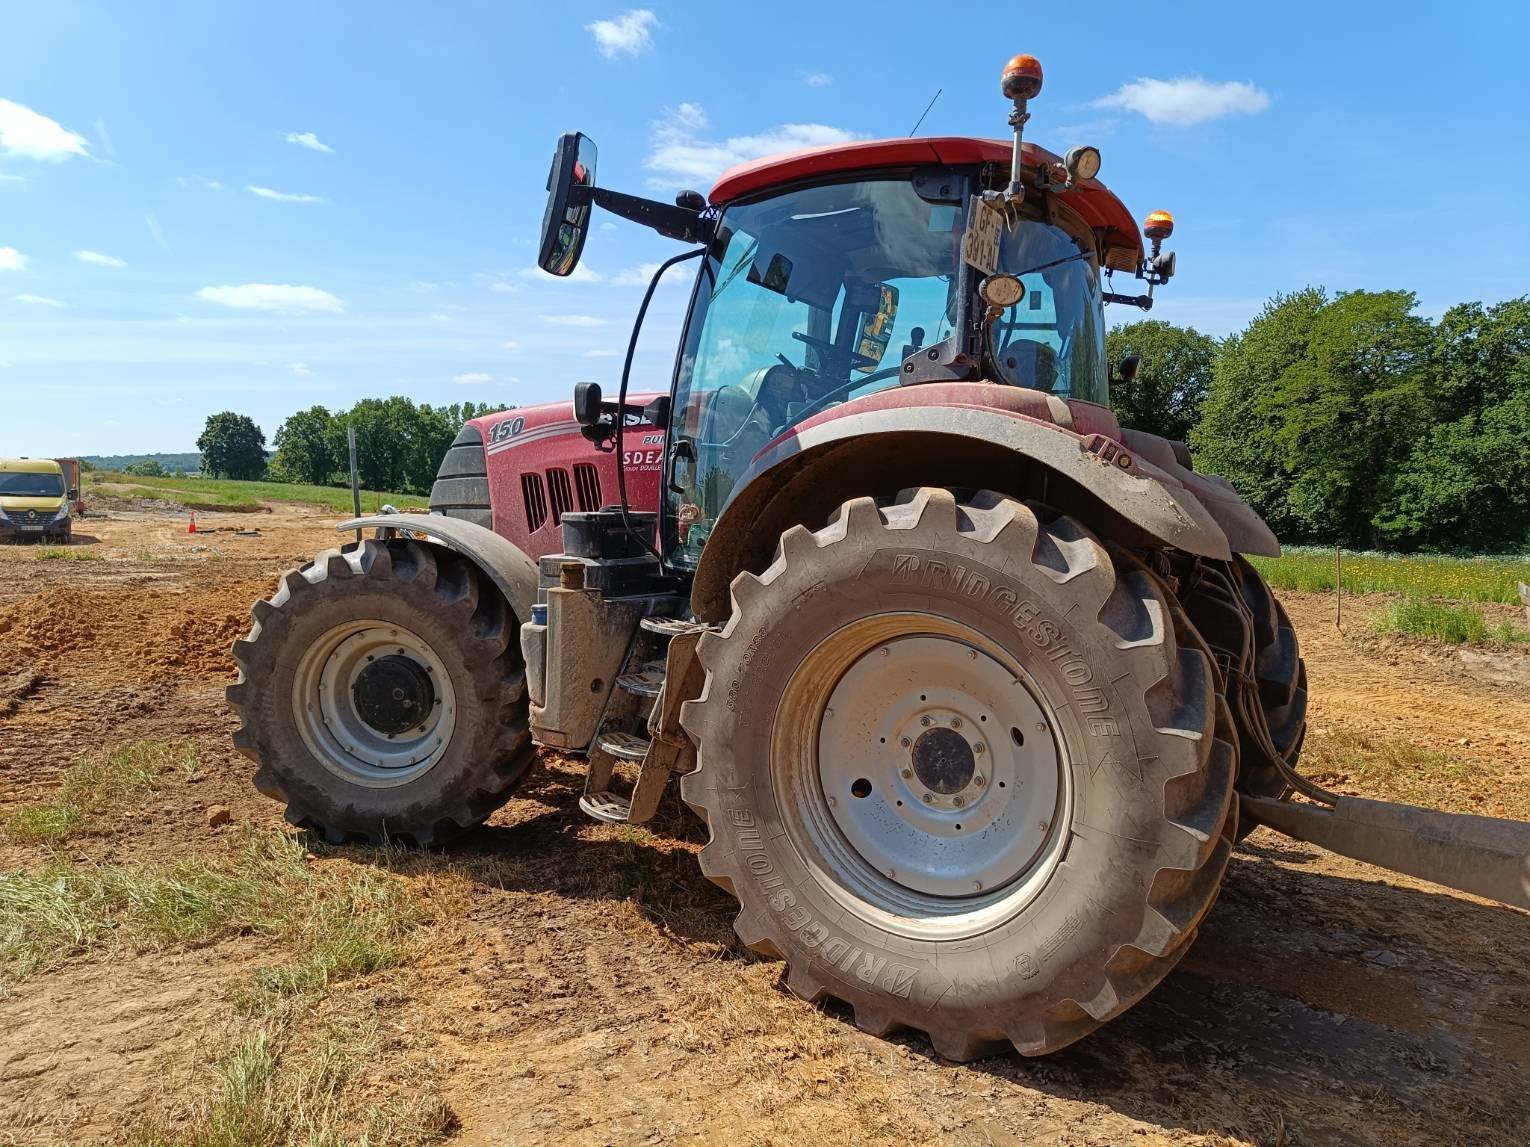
(830, 351)
(823, 400)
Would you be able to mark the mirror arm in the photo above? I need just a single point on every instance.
(670, 221)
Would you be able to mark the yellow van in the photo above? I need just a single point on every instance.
(34, 499)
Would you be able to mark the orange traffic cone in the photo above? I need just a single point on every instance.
(191, 526)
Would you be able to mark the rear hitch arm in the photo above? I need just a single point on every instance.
(1482, 855)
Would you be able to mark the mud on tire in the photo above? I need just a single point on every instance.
(451, 620)
(1140, 832)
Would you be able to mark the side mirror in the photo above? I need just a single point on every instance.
(876, 329)
(587, 403)
(656, 413)
(567, 220)
(1127, 369)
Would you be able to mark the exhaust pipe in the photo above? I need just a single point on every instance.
(1478, 854)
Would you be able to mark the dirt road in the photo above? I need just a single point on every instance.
(581, 983)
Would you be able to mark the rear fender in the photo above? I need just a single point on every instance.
(803, 477)
(504, 564)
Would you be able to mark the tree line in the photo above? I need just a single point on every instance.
(1350, 419)
(399, 444)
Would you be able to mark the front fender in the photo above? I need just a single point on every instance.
(804, 476)
(511, 570)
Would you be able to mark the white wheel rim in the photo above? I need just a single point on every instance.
(920, 850)
(324, 703)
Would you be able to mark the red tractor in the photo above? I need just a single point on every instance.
(973, 687)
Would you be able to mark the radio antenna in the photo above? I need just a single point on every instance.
(926, 112)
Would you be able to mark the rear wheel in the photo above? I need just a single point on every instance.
(964, 769)
(382, 695)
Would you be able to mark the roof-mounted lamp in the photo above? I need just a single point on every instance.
(1020, 83)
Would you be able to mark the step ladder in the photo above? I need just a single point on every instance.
(641, 722)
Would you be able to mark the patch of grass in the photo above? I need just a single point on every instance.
(340, 920)
(67, 554)
(1454, 624)
(1389, 769)
(97, 786)
(288, 1086)
(1310, 570)
(225, 493)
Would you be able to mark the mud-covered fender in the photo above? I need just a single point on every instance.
(505, 564)
(804, 476)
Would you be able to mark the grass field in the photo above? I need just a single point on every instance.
(1310, 569)
(229, 494)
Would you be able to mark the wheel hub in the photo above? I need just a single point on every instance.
(393, 694)
(374, 703)
(939, 767)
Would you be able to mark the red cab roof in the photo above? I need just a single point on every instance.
(1094, 202)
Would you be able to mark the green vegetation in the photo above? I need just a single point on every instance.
(213, 493)
(97, 787)
(233, 446)
(339, 920)
(1353, 420)
(289, 1084)
(168, 463)
(1388, 769)
(1418, 575)
(1455, 624)
(61, 554)
(1171, 384)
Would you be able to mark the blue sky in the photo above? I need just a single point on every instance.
(260, 206)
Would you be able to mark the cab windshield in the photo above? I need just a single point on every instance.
(16, 485)
(814, 297)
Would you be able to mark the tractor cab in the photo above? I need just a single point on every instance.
(829, 275)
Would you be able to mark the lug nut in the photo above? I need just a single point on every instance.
(978, 749)
(928, 799)
(980, 780)
(977, 886)
(958, 800)
(907, 773)
(905, 742)
(956, 722)
(927, 721)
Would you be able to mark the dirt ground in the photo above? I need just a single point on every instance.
(587, 989)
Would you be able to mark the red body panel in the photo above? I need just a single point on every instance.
(540, 466)
(1095, 203)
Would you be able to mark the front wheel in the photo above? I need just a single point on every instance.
(382, 694)
(964, 769)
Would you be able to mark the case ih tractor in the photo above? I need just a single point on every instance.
(973, 687)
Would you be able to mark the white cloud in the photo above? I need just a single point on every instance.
(105, 137)
(605, 225)
(680, 154)
(627, 35)
(642, 273)
(99, 259)
(818, 79)
(31, 135)
(300, 369)
(473, 378)
(283, 196)
(12, 259)
(199, 181)
(283, 298)
(310, 141)
(154, 229)
(38, 301)
(572, 320)
(601, 353)
(509, 344)
(500, 287)
(1186, 100)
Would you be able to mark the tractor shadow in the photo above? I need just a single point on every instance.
(1314, 1006)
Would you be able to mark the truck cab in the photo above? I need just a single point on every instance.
(34, 500)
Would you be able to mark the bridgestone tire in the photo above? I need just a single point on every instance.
(1146, 759)
(445, 603)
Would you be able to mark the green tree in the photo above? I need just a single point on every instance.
(1165, 398)
(310, 448)
(232, 446)
(1242, 416)
(1466, 482)
(1349, 411)
(147, 468)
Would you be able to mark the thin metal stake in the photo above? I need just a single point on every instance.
(1338, 591)
(350, 441)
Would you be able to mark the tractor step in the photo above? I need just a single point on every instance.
(624, 746)
(607, 807)
(645, 683)
(674, 626)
